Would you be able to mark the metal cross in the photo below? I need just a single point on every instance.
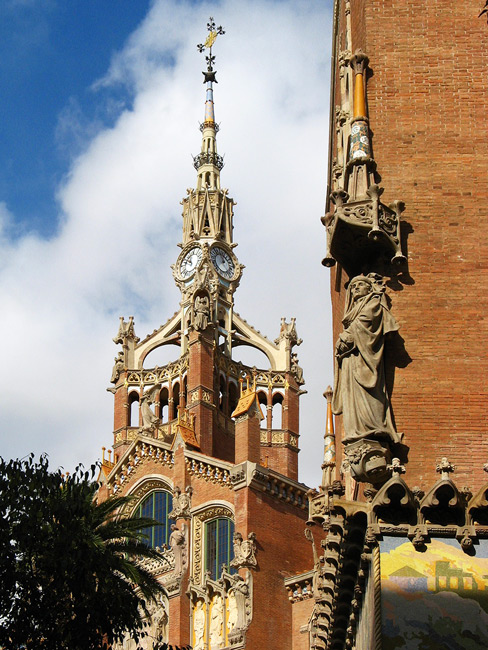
(213, 32)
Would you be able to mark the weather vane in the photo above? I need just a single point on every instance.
(213, 32)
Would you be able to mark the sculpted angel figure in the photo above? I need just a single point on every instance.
(360, 389)
(149, 419)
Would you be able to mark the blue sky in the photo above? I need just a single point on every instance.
(51, 52)
(101, 104)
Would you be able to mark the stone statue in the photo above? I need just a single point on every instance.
(201, 312)
(149, 419)
(295, 369)
(199, 625)
(360, 389)
(216, 623)
(118, 367)
(177, 541)
(239, 593)
(232, 619)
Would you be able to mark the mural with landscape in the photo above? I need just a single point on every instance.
(434, 599)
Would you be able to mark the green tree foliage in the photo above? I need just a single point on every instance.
(69, 575)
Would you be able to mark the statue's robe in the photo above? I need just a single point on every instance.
(360, 388)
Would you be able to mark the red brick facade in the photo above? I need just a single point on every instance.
(426, 96)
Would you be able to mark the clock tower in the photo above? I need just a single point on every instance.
(207, 271)
(209, 446)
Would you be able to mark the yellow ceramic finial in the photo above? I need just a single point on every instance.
(359, 63)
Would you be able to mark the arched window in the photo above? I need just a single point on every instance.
(133, 411)
(277, 421)
(222, 392)
(263, 403)
(157, 505)
(233, 397)
(219, 550)
(176, 397)
(163, 404)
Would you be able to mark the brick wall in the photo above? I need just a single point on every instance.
(427, 109)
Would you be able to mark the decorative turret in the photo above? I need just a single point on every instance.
(362, 232)
(192, 400)
(207, 272)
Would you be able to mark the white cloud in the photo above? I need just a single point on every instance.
(121, 219)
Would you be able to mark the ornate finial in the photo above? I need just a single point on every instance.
(213, 32)
(329, 463)
(444, 468)
(396, 467)
(208, 163)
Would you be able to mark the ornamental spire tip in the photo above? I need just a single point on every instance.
(213, 32)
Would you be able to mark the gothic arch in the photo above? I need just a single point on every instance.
(199, 517)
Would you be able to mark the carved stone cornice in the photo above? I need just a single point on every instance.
(299, 587)
(351, 545)
(264, 479)
(214, 471)
(140, 451)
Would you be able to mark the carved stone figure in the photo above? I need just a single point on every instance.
(244, 551)
(201, 312)
(181, 502)
(239, 592)
(360, 389)
(118, 367)
(295, 369)
(149, 419)
(177, 543)
(199, 625)
(216, 623)
(232, 619)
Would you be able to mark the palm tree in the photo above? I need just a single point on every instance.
(70, 574)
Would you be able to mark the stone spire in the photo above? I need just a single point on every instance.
(208, 163)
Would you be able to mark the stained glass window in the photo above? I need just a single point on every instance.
(218, 546)
(157, 505)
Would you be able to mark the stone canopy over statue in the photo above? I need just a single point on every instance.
(360, 393)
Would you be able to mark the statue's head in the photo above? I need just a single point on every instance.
(360, 286)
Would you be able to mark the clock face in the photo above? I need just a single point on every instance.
(222, 262)
(190, 262)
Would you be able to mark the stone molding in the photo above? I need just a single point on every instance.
(264, 479)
